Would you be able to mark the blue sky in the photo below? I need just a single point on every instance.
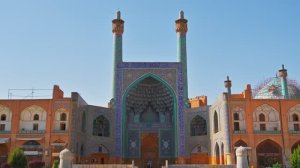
(69, 42)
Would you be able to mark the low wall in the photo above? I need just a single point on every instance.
(102, 166)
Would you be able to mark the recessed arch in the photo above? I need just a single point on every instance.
(240, 143)
(174, 107)
(198, 126)
(217, 153)
(101, 126)
(295, 145)
(216, 122)
(268, 152)
(266, 118)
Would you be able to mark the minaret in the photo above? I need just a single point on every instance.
(284, 86)
(117, 29)
(181, 30)
(227, 85)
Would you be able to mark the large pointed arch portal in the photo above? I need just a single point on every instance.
(149, 120)
(129, 75)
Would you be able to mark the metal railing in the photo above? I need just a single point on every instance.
(267, 132)
(4, 132)
(60, 131)
(239, 131)
(32, 131)
(294, 132)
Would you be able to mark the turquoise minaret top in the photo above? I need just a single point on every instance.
(181, 29)
(117, 29)
(284, 84)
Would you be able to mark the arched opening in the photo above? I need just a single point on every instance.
(262, 126)
(295, 117)
(33, 118)
(199, 155)
(56, 147)
(149, 119)
(236, 116)
(238, 144)
(63, 117)
(262, 117)
(33, 150)
(295, 145)
(268, 153)
(236, 122)
(296, 123)
(266, 118)
(217, 153)
(198, 126)
(3, 117)
(216, 122)
(222, 154)
(3, 153)
(36, 117)
(101, 126)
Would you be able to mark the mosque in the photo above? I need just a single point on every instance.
(150, 118)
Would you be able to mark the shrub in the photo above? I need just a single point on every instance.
(55, 164)
(276, 165)
(36, 164)
(17, 159)
(5, 165)
(295, 158)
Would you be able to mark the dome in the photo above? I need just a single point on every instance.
(271, 89)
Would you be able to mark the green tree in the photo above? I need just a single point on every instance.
(17, 159)
(295, 158)
(55, 164)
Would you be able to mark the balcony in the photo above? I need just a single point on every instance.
(32, 131)
(239, 131)
(4, 132)
(267, 132)
(294, 132)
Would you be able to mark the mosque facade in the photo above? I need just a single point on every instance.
(150, 118)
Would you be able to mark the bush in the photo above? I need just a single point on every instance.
(55, 164)
(295, 158)
(276, 165)
(36, 164)
(17, 159)
(5, 165)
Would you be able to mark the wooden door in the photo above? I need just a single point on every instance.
(149, 150)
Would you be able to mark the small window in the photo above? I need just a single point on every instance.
(36, 117)
(2, 127)
(63, 126)
(63, 117)
(262, 127)
(236, 116)
(295, 117)
(3, 117)
(296, 127)
(236, 126)
(35, 127)
(262, 117)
